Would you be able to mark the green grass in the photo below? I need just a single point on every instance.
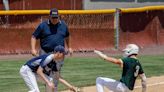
(78, 71)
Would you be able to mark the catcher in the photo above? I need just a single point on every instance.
(131, 70)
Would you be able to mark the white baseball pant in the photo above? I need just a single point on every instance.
(31, 78)
(111, 84)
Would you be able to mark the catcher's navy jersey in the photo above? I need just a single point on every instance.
(45, 61)
(131, 69)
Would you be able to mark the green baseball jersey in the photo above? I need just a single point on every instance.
(131, 69)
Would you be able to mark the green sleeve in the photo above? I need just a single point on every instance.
(141, 69)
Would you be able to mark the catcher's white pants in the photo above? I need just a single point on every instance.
(111, 84)
(31, 78)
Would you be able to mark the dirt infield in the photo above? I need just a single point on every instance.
(154, 84)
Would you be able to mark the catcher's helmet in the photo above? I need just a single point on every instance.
(130, 50)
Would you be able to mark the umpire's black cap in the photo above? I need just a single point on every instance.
(54, 13)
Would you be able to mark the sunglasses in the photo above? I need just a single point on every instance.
(54, 17)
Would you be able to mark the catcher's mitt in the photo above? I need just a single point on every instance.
(78, 90)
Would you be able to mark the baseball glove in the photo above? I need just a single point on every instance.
(77, 89)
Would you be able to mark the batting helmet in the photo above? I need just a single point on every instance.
(130, 50)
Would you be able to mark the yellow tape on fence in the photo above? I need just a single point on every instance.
(30, 12)
(109, 11)
(142, 9)
(24, 12)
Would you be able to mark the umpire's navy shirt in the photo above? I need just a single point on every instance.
(51, 35)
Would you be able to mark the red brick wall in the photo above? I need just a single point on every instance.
(145, 29)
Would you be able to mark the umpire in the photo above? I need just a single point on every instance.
(51, 33)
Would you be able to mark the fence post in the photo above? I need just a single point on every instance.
(6, 4)
(136, 1)
(116, 27)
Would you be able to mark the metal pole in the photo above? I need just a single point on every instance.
(117, 26)
(6, 4)
(24, 5)
(136, 1)
(74, 4)
(71, 5)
